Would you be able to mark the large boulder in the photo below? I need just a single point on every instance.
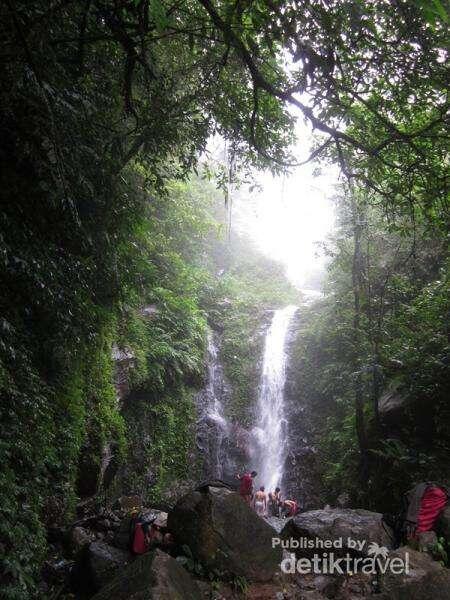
(277, 523)
(224, 533)
(425, 578)
(355, 528)
(152, 576)
(104, 562)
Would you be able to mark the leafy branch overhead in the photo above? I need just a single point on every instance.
(370, 79)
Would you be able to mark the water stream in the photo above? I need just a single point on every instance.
(269, 434)
(213, 429)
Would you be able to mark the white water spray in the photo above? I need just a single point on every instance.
(269, 434)
(213, 428)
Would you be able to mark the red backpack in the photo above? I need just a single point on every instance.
(139, 527)
(140, 545)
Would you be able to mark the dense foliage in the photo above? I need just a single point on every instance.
(239, 306)
(392, 343)
(107, 106)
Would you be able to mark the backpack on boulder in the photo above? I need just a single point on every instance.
(139, 528)
(422, 506)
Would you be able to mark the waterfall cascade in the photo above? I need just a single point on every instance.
(269, 434)
(213, 429)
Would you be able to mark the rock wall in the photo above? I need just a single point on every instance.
(301, 479)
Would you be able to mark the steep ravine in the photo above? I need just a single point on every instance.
(277, 443)
(225, 538)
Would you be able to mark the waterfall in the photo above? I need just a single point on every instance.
(269, 434)
(213, 429)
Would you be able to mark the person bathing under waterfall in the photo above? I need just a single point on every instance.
(246, 486)
(260, 502)
(275, 503)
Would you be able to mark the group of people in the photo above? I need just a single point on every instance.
(265, 504)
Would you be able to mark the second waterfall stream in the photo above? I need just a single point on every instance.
(269, 433)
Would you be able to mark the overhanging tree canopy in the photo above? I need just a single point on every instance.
(156, 78)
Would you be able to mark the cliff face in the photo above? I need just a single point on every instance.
(302, 469)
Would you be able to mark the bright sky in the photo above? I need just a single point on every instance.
(290, 215)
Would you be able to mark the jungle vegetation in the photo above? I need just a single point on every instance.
(107, 108)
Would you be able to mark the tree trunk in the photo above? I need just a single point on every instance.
(357, 269)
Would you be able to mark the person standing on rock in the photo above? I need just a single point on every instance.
(275, 502)
(246, 486)
(260, 502)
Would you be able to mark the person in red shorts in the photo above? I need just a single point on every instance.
(290, 508)
(246, 486)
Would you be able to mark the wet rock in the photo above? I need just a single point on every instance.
(153, 576)
(241, 439)
(277, 523)
(426, 578)
(302, 466)
(215, 440)
(104, 562)
(338, 524)
(222, 532)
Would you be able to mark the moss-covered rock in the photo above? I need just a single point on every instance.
(153, 576)
(225, 534)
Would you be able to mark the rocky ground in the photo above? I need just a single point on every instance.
(230, 555)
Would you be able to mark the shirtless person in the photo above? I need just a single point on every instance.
(246, 487)
(260, 502)
(277, 501)
(274, 503)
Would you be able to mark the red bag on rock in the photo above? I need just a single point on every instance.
(432, 504)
